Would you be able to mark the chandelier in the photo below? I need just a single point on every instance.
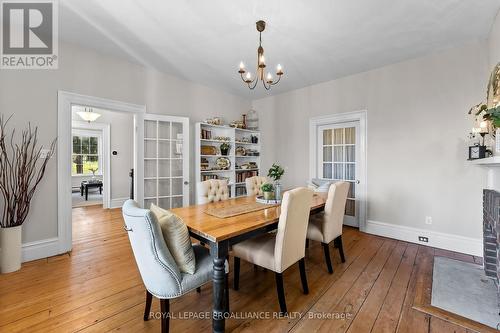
(268, 80)
(88, 115)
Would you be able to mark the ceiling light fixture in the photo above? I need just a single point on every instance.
(88, 115)
(267, 81)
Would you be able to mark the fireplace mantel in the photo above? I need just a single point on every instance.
(493, 166)
(493, 161)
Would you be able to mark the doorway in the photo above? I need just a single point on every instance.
(338, 153)
(66, 102)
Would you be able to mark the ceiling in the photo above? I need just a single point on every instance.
(315, 41)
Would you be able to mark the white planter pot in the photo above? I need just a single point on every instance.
(10, 243)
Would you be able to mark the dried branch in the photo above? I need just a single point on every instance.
(21, 171)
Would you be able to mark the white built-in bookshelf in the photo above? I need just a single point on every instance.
(206, 164)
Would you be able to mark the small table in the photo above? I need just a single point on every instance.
(85, 185)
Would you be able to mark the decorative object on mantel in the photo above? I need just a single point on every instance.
(88, 114)
(268, 80)
(487, 114)
(268, 191)
(224, 148)
(275, 173)
(22, 167)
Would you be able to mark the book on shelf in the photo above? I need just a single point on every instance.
(206, 134)
(241, 176)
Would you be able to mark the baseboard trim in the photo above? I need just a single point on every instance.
(40, 249)
(117, 203)
(467, 245)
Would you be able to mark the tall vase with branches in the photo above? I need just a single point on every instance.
(21, 171)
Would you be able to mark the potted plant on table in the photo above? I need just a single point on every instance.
(224, 148)
(275, 173)
(22, 167)
(268, 191)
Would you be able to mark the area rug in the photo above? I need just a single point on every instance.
(463, 288)
(229, 208)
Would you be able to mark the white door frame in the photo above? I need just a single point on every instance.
(64, 139)
(105, 153)
(361, 117)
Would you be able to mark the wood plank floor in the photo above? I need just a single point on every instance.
(97, 288)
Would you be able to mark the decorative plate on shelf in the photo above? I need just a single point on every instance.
(223, 163)
(208, 150)
(240, 151)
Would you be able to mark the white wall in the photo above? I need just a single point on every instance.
(122, 140)
(32, 96)
(417, 127)
(494, 42)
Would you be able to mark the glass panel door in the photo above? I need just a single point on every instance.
(166, 161)
(338, 156)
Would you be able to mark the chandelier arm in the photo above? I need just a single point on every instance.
(256, 80)
(275, 83)
(264, 84)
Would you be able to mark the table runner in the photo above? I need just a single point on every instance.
(230, 208)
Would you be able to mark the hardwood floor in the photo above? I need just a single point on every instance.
(97, 288)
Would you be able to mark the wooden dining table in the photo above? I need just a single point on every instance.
(220, 233)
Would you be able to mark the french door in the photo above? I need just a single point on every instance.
(163, 173)
(338, 160)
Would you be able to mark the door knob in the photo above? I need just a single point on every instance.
(186, 182)
(357, 181)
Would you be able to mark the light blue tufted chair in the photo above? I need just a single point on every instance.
(157, 267)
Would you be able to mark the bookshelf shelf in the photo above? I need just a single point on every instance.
(235, 176)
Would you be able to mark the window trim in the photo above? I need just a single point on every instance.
(90, 133)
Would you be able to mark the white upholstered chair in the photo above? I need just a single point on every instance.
(278, 251)
(159, 272)
(212, 190)
(327, 226)
(253, 185)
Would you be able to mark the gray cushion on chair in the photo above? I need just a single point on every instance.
(203, 272)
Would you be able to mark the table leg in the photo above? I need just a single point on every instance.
(81, 190)
(219, 252)
(86, 193)
(100, 189)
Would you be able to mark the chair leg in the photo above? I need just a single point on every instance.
(147, 309)
(303, 276)
(327, 257)
(338, 242)
(281, 292)
(307, 243)
(165, 318)
(236, 277)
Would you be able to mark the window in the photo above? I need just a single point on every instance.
(86, 154)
